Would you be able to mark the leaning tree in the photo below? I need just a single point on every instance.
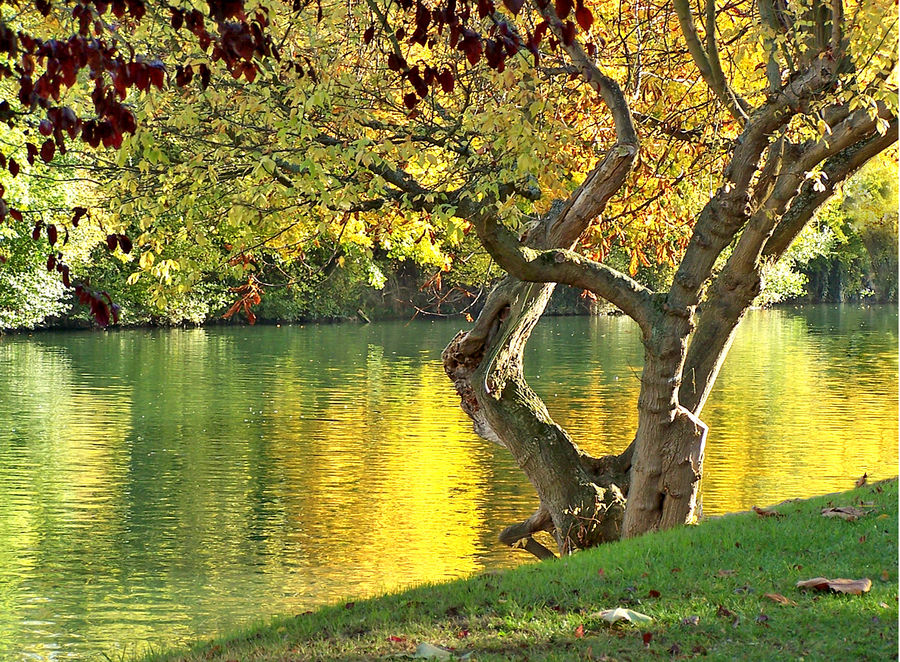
(708, 135)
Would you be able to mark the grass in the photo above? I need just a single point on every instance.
(704, 586)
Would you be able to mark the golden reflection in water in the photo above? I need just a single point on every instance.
(801, 407)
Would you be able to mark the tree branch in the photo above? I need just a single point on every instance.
(836, 169)
(702, 60)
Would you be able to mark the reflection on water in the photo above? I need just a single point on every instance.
(159, 486)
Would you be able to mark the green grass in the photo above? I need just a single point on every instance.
(718, 572)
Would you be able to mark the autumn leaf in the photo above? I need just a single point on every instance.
(840, 585)
(579, 632)
(691, 620)
(762, 512)
(862, 480)
(725, 573)
(619, 614)
(780, 599)
(431, 652)
(849, 513)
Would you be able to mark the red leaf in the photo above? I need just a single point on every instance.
(563, 7)
(579, 632)
(396, 639)
(125, 243)
(447, 80)
(48, 149)
(514, 6)
(45, 127)
(396, 62)
(584, 17)
(13, 167)
(653, 593)
(16, 214)
(471, 45)
(78, 212)
(157, 74)
(647, 637)
(51, 234)
(51, 262)
(36, 232)
(568, 33)
(410, 100)
(111, 241)
(368, 34)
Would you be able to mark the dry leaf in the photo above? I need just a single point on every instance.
(762, 512)
(852, 586)
(780, 599)
(426, 651)
(849, 513)
(885, 575)
(725, 573)
(579, 632)
(862, 479)
(690, 620)
(619, 614)
(724, 612)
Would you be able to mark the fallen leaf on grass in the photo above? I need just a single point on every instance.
(647, 637)
(428, 651)
(725, 573)
(780, 599)
(762, 619)
(579, 632)
(762, 512)
(849, 513)
(885, 575)
(653, 593)
(862, 479)
(396, 639)
(619, 614)
(690, 620)
(724, 612)
(852, 586)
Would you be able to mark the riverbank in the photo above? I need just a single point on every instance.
(724, 590)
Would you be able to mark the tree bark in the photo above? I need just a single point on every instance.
(582, 498)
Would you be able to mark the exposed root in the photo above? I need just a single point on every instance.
(520, 535)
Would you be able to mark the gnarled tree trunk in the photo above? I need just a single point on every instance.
(582, 498)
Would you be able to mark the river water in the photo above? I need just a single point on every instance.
(162, 486)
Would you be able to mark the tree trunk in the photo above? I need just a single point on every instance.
(582, 498)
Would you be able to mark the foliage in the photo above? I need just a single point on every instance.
(859, 230)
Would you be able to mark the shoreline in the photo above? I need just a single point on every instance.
(87, 326)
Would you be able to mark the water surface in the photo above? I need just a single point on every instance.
(162, 486)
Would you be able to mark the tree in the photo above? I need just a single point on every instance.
(526, 123)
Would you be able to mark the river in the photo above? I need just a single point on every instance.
(158, 486)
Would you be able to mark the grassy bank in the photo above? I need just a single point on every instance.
(705, 588)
